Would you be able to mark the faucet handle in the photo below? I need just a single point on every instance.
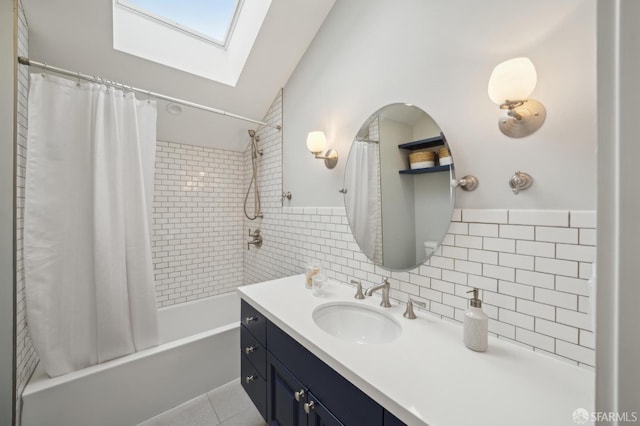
(408, 313)
(359, 294)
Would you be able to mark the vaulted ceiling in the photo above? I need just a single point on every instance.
(77, 35)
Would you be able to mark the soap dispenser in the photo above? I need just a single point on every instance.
(476, 325)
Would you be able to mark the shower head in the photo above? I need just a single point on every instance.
(252, 133)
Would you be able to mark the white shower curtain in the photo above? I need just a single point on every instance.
(362, 197)
(87, 252)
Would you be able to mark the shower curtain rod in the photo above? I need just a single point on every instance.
(26, 61)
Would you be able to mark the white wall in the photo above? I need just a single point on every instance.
(438, 55)
(7, 139)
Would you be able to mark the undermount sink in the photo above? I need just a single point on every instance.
(356, 323)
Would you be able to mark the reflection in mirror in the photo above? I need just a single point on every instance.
(399, 211)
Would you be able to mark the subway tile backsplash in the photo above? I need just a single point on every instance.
(26, 357)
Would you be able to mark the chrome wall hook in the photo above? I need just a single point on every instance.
(467, 183)
(520, 181)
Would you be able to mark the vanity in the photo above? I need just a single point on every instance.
(299, 370)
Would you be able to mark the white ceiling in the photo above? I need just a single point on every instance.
(77, 35)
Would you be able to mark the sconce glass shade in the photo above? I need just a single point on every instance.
(316, 142)
(512, 80)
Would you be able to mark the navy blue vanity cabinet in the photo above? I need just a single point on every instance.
(342, 399)
(290, 386)
(253, 358)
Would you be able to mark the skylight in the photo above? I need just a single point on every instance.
(210, 19)
(208, 38)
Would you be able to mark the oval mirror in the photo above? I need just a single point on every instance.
(399, 208)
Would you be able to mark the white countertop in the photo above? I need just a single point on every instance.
(427, 376)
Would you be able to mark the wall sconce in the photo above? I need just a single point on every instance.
(510, 85)
(316, 144)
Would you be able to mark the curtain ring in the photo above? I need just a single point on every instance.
(78, 82)
(44, 73)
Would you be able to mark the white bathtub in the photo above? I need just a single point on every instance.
(202, 340)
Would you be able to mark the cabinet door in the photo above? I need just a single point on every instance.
(318, 413)
(286, 396)
(348, 403)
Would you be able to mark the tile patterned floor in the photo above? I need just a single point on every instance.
(227, 405)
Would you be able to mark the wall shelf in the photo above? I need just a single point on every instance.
(424, 143)
(425, 170)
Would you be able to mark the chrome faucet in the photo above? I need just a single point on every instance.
(386, 287)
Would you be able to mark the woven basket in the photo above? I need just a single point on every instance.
(443, 152)
(419, 157)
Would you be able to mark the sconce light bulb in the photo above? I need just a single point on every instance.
(512, 80)
(316, 142)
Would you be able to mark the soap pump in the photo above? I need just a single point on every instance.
(476, 325)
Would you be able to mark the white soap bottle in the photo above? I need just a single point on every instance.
(476, 325)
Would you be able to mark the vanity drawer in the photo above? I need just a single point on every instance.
(345, 400)
(254, 321)
(253, 351)
(254, 385)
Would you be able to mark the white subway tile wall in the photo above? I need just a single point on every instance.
(530, 265)
(197, 237)
(26, 357)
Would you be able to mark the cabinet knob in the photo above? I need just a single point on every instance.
(249, 379)
(299, 395)
(309, 406)
(248, 320)
(249, 349)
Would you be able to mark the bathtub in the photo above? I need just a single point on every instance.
(201, 340)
